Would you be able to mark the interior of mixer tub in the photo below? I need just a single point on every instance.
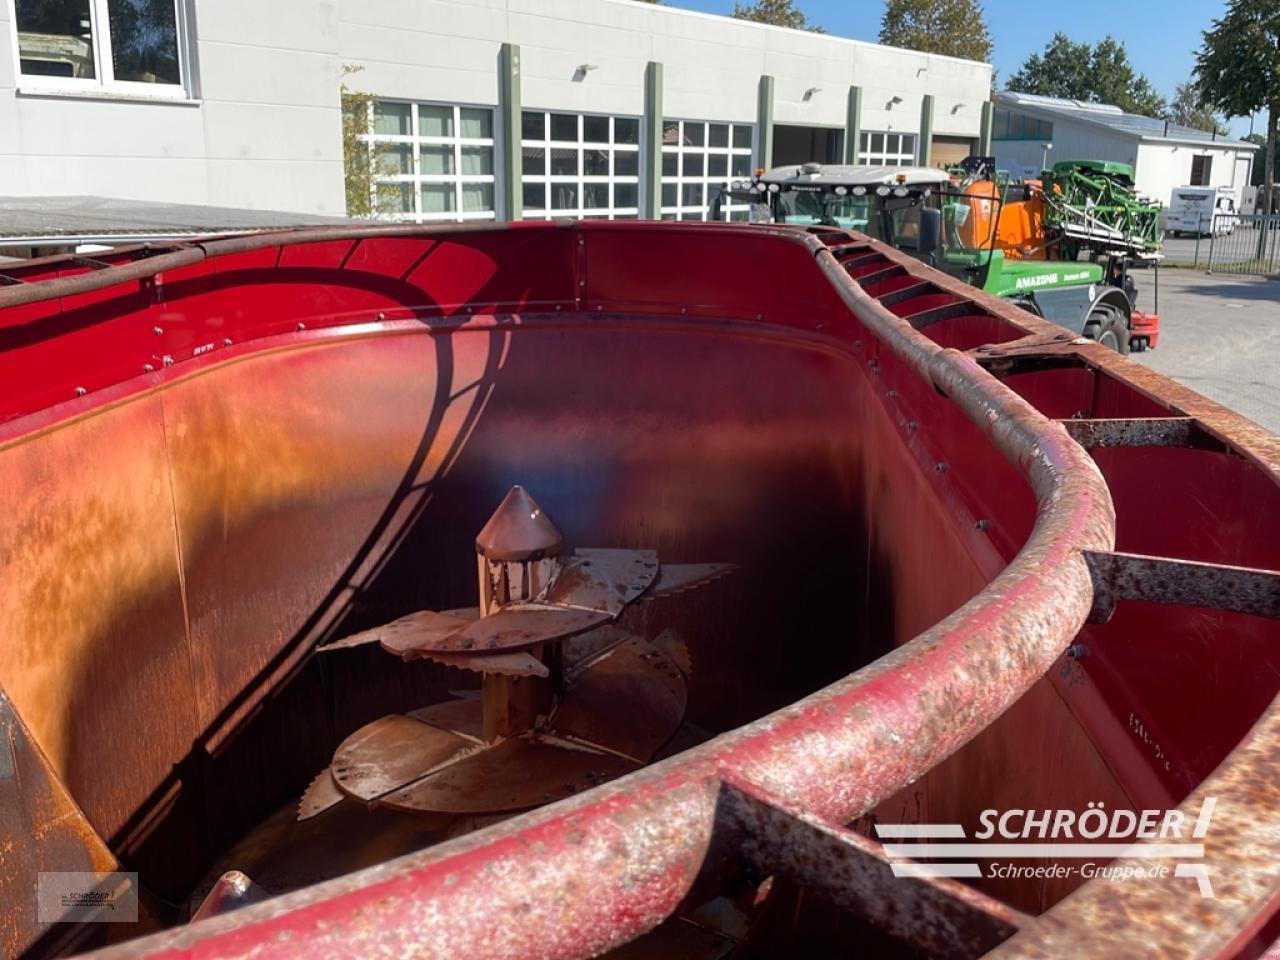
(346, 415)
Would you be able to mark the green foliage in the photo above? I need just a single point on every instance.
(1238, 71)
(357, 162)
(1185, 108)
(1238, 68)
(954, 28)
(1100, 74)
(359, 157)
(780, 13)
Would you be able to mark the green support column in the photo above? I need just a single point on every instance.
(509, 124)
(651, 196)
(926, 131)
(853, 125)
(984, 132)
(764, 121)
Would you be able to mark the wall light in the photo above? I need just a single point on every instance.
(583, 69)
(808, 94)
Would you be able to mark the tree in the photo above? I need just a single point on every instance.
(1258, 174)
(1099, 74)
(1185, 109)
(1061, 71)
(780, 13)
(1115, 81)
(955, 28)
(1238, 72)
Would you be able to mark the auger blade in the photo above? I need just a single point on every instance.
(602, 579)
(389, 753)
(322, 794)
(524, 771)
(514, 628)
(515, 664)
(672, 644)
(677, 577)
(629, 699)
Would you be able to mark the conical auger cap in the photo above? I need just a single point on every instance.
(518, 530)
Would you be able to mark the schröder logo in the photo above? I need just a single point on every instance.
(1139, 838)
(86, 897)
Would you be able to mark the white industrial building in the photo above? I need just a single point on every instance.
(1030, 131)
(484, 108)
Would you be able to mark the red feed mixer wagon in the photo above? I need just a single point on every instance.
(636, 589)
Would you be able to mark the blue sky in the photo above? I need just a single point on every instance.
(1161, 40)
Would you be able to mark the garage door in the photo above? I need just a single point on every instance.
(948, 151)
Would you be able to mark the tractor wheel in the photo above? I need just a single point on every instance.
(1106, 325)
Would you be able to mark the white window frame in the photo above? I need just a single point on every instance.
(884, 157)
(582, 179)
(683, 211)
(104, 81)
(416, 179)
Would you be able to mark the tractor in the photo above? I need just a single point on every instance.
(1062, 246)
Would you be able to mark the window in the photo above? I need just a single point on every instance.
(698, 161)
(887, 149)
(580, 165)
(1019, 126)
(1200, 167)
(125, 45)
(431, 161)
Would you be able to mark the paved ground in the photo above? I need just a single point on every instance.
(1185, 250)
(1220, 335)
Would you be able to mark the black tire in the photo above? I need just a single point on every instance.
(1107, 325)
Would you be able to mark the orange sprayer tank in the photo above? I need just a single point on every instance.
(1020, 226)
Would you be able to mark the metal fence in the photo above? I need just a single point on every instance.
(1243, 243)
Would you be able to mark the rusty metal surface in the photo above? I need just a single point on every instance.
(395, 750)
(514, 664)
(518, 530)
(1140, 432)
(43, 829)
(602, 579)
(939, 917)
(1127, 576)
(835, 753)
(1157, 919)
(629, 699)
(232, 891)
(516, 628)
(623, 701)
(521, 772)
(675, 578)
(321, 794)
(459, 716)
(420, 630)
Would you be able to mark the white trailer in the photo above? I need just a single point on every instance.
(1198, 210)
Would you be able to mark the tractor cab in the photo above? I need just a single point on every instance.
(923, 211)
